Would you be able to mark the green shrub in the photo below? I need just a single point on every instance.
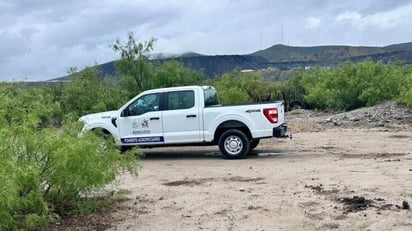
(351, 85)
(232, 95)
(45, 170)
(238, 87)
(406, 88)
(89, 93)
(173, 73)
(134, 66)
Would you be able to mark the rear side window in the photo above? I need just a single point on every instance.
(210, 97)
(180, 100)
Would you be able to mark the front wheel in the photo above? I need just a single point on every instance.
(125, 148)
(234, 144)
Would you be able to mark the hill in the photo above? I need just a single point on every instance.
(399, 47)
(281, 57)
(282, 53)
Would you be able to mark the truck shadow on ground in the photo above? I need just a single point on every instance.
(197, 153)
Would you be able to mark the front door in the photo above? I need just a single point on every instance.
(141, 121)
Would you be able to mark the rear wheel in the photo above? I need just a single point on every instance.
(234, 144)
(254, 144)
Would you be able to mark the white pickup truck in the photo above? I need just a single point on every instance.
(190, 115)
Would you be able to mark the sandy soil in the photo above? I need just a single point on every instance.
(327, 177)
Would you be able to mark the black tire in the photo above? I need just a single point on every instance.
(125, 148)
(234, 144)
(254, 144)
(107, 138)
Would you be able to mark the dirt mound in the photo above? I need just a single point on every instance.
(388, 115)
(383, 115)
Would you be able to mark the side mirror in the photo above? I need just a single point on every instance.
(125, 112)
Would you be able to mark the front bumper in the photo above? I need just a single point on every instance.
(281, 131)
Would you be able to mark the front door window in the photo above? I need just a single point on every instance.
(144, 104)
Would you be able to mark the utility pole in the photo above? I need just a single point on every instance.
(281, 33)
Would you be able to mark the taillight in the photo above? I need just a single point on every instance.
(271, 114)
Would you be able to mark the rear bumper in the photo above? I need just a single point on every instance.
(281, 131)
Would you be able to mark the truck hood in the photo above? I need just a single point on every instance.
(98, 116)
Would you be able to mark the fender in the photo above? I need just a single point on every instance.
(229, 117)
(112, 130)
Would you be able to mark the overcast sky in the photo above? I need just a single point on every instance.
(41, 39)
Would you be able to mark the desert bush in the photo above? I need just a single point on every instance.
(44, 170)
(172, 74)
(88, 92)
(352, 85)
(134, 66)
(228, 90)
(25, 106)
(315, 83)
(406, 88)
(242, 87)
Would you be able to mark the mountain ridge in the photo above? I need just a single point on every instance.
(282, 57)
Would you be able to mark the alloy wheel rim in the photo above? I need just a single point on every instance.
(233, 145)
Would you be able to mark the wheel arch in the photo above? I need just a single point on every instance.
(230, 124)
(106, 131)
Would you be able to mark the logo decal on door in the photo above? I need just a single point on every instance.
(144, 123)
(140, 123)
(140, 126)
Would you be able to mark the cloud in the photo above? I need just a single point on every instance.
(383, 20)
(312, 22)
(349, 17)
(41, 39)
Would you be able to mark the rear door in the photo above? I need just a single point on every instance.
(181, 119)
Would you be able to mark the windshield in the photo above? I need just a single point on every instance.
(210, 95)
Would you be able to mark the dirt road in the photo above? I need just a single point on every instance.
(326, 177)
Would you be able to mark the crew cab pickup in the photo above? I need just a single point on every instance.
(190, 115)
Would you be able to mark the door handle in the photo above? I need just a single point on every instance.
(190, 116)
(155, 118)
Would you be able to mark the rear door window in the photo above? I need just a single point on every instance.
(180, 100)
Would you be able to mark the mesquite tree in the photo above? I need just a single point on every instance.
(133, 65)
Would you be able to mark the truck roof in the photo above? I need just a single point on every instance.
(180, 88)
